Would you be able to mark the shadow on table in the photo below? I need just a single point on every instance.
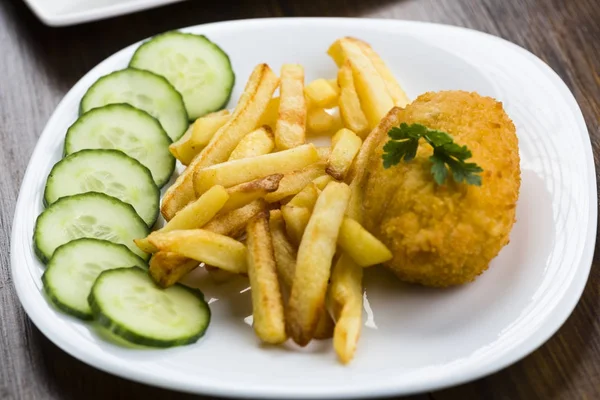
(67, 53)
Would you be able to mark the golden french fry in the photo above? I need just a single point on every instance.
(204, 246)
(325, 327)
(321, 94)
(166, 269)
(322, 181)
(352, 114)
(372, 91)
(231, 173)
(344, 299)
(192, 216)
(334, 85)
(234, 222)
(294, 182)
(319, 121)
(285, 256)
(284, 251)
(271, 114)
(182, 149)
(250, 108)
(307, 197)
(291, 124)
(245, 193)
(336, 53)
(267, 301)
(313, 267)
(256, 143)
(358, 169)
(365, 249)
(296, 220)
(198, 136)
(346, 146)
(204, 128)
(394, 89)
(324, 153)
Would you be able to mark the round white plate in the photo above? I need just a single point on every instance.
(414, 339)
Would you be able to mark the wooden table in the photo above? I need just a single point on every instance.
(38, 65)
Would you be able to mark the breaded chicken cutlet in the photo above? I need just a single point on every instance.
(443, 235)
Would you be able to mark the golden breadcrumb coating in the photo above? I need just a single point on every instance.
(446, 235)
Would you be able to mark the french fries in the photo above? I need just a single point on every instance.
(257, 200)
(307, 197)
(372, 91)
(234, 222)
(267, 301)
(192, 216)
(271, 114)
(256, 143)
(245, 193)
(351, 112)
(321, 94)
(250, 108)
(322, 181)
(285, 256)
(294, 182)
(291, 123)
(344, 299)
(198, 135)
(238, 171)
(364, 248)
(393, 87)
(296, 219)
(284, 251)
(319, 121)
(313, 266)
(324, 153)
(345, 147)
(204, 246)
(334, 85)
(204, 128)
(166, 269)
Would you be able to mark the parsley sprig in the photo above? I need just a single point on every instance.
(447, 155)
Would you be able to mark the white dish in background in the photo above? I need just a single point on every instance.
(414, 339)
(71, 12)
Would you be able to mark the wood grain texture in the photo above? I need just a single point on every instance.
(39, 64)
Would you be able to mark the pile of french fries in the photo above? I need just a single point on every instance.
(257, 199)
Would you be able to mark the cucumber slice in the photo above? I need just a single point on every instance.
(198, 68)
(75, 266)
(129, 304)
(144, 90)
(92, 215)
(126, 128)
(105, 171)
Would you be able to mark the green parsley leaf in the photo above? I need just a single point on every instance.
(447, 155)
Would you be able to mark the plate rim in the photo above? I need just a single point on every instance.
(537, 338)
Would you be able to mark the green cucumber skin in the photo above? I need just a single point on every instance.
(108, 107)
(105, 151)
(130, 336)
(82, 109)
(52, 299)
(133, 61)
(44, 258)
(49, 290)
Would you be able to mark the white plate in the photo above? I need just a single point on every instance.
(414, 339)
(71, 12)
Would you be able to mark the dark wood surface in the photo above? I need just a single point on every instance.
(39, 64)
